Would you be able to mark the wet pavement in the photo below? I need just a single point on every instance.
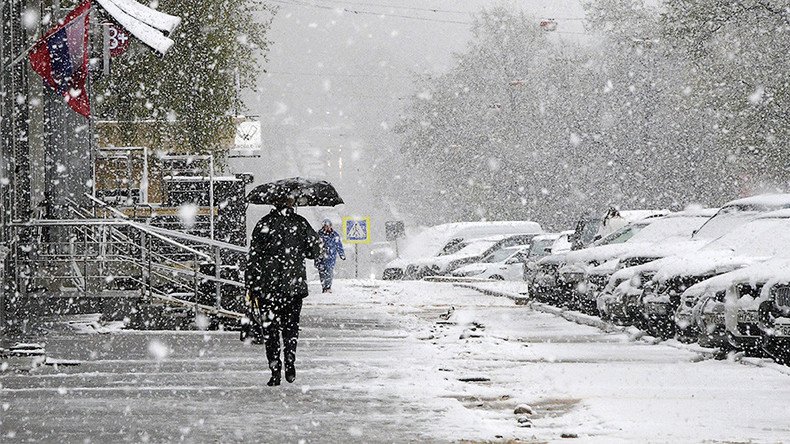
(392, 362)
(211, 387)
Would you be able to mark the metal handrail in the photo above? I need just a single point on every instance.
(108, 222)
(171, 233)
(103, 243)
(202, 276)
(103, 204)
(210, 242)
(199, 239)
(123, 237)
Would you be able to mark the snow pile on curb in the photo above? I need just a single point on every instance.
(507, 290)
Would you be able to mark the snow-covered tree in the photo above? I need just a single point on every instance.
(739, 54)
(193, 91)
(530, 127)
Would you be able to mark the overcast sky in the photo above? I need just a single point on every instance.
(337, 79)
(324, 60)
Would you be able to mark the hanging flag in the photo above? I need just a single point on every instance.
(61, 58)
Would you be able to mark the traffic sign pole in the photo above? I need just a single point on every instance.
(356, 230)
(395, 229)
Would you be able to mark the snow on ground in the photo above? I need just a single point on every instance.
(395, 361)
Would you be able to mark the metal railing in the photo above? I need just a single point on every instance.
(88, 256)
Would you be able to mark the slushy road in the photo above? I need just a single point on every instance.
(393, 362)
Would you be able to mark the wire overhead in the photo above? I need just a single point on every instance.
(379, 14)
(400, 16)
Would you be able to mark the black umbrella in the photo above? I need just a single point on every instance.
(306, 192)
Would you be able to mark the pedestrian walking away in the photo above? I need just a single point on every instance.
(277, 280)
(332, 248)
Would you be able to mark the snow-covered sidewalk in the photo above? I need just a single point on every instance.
(395, 361)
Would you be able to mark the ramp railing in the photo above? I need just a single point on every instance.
(88, 256)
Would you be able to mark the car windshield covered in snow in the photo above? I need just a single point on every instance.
(586, 230)
(454, 246)
(762, 237)
(502, 254)
(623, 234)
(476, 247)
(541, 246)
(739, 212)
(680, 227)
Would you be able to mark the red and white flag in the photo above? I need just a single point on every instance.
(61, 58)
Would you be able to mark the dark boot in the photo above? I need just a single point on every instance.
(276, 374)
(274, 380)
(290, 372)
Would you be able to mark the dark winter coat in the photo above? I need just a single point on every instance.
(332, 247)
(279, 246)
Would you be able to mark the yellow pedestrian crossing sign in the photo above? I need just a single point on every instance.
(356, 230)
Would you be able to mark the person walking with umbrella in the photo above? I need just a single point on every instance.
(277, 280)
(332, 248)
(276, 276)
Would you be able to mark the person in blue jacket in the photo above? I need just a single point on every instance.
(332, 248)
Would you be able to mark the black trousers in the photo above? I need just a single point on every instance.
(281, 317)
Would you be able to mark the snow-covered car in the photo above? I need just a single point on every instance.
(627, 302)
(691, 325)
(741, 307)
(549, 243)
(544, 285)
(549, 286)
(660, 236)
(542, 246)
(704, 306)
(765, 237)
(591, 229)
(774, 317)
(618, 304)
(473, 251)
(504, 264)
(730, 319)
(447, 239)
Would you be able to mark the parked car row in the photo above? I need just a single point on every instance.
(720, 277)
(442, 249)
(498, 250)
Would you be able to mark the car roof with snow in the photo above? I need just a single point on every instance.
(637, 215)
(547, 236)
(779, 200)
(481, 229)
(430, 241)
(739, 212)
(764, 237)
(675, 227)
(768, 234)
